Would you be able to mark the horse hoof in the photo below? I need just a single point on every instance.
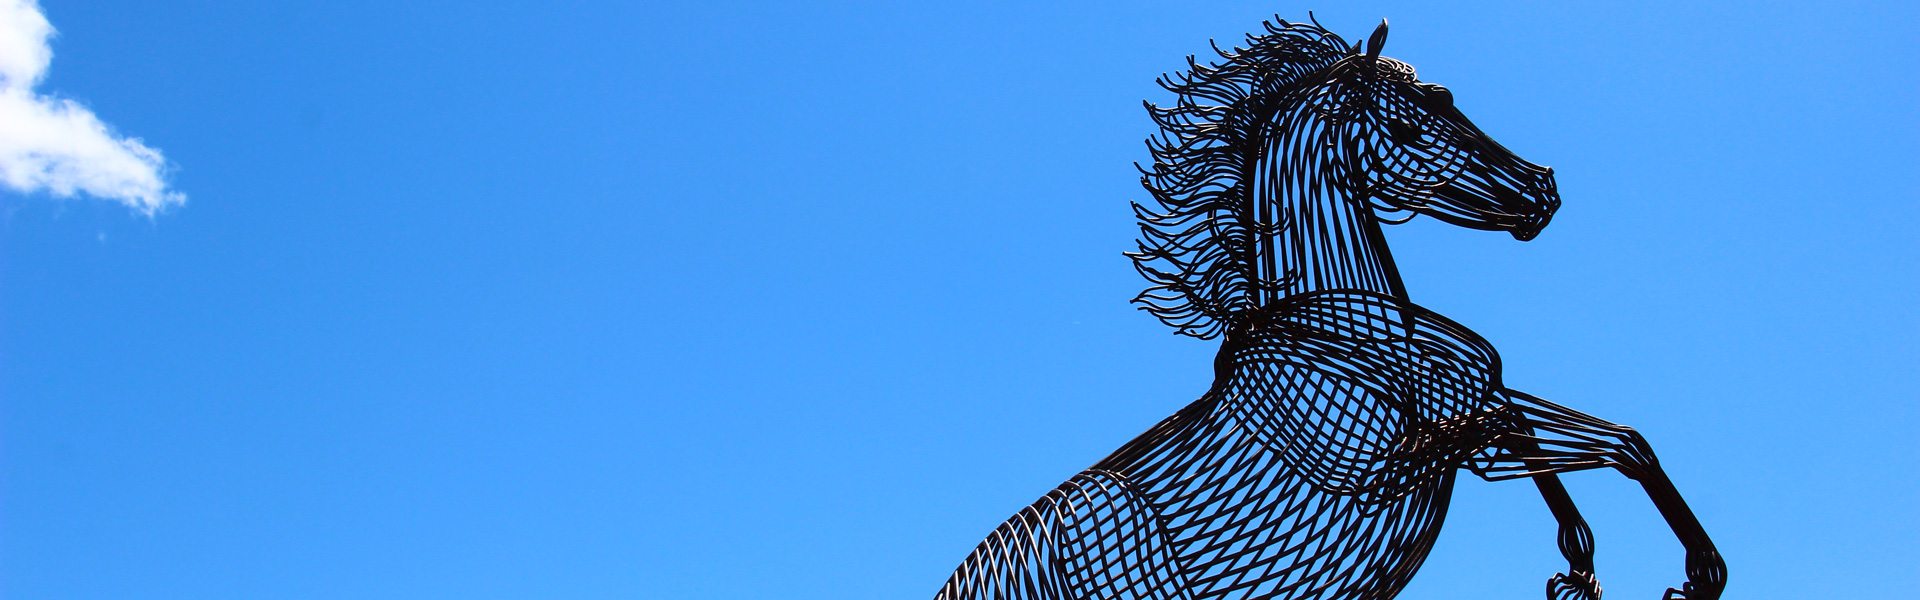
(1692, 592)
(1578, 586)
(1706, 576)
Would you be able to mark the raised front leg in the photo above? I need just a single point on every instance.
(1547, 438)
(1576, 544)
(1575, 538)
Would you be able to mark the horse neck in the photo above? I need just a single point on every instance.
(1332, 241)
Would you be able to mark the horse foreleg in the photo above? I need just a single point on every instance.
(1546, 439)
(1575, 541)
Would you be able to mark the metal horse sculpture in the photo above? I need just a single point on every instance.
(1320, 463)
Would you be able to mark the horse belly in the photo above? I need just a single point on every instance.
(1094, 536)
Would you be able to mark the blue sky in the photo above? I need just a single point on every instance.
(733, 300)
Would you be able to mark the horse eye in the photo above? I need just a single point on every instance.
(1403, 132)
(1437, 96)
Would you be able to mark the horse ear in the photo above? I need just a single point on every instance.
(1378, 40)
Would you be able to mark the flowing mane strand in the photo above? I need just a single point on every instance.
(1197, 244)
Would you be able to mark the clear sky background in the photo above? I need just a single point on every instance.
(723, 300)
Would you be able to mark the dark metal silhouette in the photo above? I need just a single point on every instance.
(1320, 463)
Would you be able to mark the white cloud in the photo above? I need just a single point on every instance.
(57, 145)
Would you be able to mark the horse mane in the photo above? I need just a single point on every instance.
(1197, 244)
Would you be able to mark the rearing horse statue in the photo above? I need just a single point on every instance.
(1320, 462)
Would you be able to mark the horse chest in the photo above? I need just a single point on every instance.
(1367, 402)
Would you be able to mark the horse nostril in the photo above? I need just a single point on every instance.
(1530, 227)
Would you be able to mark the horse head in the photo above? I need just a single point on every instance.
(1409, 150)
(1274, 166)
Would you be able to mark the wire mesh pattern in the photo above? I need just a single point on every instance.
(1320, 462)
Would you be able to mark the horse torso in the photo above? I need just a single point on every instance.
(1334, 432)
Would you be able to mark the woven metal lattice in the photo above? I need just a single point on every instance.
(1320, 463)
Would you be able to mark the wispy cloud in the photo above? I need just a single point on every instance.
(56, 145)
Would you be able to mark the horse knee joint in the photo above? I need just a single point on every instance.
(1706, 567)
(1577, 541)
